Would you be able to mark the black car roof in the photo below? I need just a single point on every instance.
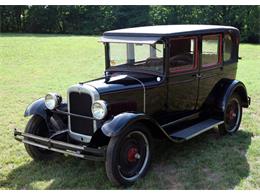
(169, 30)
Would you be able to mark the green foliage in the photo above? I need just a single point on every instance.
(93, 20)
(41, 19)
(245, 18)
(10, 18)
(130, 16)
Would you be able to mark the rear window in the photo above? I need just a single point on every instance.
(210, 50)
(227, 47)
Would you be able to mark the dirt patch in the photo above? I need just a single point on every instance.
(212, 176)
(168, 174)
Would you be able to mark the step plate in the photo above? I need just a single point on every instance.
(196, 129)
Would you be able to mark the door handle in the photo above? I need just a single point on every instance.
(197, 75)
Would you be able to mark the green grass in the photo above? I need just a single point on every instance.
(31, 65)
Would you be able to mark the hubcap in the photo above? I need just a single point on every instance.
(133, 155)
(232, 113)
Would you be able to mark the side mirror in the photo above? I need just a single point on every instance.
(240, 58)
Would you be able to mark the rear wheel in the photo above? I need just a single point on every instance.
(232, 116)
(37, 126)
(129, 155)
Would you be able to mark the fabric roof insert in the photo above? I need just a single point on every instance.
(130, 39)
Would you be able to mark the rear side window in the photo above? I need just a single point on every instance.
(227, 47)
(182, 55)
(210, 50)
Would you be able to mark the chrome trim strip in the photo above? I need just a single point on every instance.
(82, 88)
(195, 115)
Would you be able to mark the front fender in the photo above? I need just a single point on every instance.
(53, 121)
(37, 107)
(114, 126)
(122, 121)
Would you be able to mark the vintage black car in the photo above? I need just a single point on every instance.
(172, 81)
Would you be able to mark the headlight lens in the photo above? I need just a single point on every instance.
(52, 100)
(99, 109)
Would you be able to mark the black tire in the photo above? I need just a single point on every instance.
(128, 156)
(232, 116)
(37, 126)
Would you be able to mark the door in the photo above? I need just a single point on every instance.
(183, 80)
(211, 67)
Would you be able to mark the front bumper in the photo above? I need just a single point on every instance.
(80, 151)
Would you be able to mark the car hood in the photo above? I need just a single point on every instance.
(124, 81)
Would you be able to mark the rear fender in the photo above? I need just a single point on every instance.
(221, 93)
(234, 87)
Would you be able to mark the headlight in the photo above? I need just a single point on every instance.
(52, 100)
(99, 109)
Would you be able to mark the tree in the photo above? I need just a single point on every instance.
(11, 18)
(131, 16)
(91, 20)
(41, 19)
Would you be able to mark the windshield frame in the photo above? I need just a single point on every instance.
(109, 68)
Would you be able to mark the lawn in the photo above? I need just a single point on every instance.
(31, 65)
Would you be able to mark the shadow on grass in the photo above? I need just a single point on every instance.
(206, 162)
(209, 161)
(62, 173)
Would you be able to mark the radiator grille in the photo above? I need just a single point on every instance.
(80, 103)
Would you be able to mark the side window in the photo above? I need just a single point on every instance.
(182, 55)
(141, 52)
(210, 50)
(227, 47)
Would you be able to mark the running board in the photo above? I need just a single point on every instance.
(196, 129)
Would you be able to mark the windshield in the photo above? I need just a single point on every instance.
(136, 56)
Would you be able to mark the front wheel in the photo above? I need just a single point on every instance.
(129, 155)
(37, 126)
(232, 116)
